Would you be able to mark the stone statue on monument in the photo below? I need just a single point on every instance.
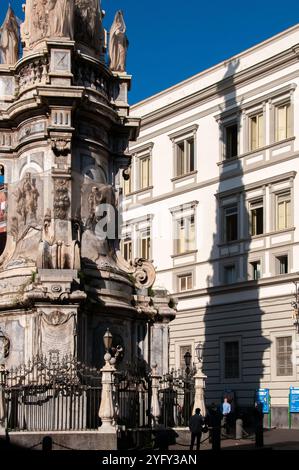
(88, 24)
(61, 18)
(9, 41)
(118, 44)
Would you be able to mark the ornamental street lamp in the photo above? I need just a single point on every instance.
(107, 339)
(199, 351)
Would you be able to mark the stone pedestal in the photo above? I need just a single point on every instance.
(199, 399)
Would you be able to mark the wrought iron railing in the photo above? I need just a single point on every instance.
(63, 394)
(52, 394)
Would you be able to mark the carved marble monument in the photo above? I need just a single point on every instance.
(65, 127)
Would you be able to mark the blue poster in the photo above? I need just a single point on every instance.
(294, 399)
(263, 397)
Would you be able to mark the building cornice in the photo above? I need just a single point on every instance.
(222, 87)
(238, 287)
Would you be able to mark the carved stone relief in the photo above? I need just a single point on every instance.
(56, 330)
(27, 200)
(62, 201)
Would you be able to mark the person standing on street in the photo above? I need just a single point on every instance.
(195, 426)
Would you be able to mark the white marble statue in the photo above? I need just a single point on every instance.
(9, 40)
(118, 44)
(61, 18)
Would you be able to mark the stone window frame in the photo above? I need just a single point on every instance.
(183, 273)
(226, 263)
(133, 227)
(225, 202)
(138, 153)
(127, 231)
(222, 341)
(247, 116)
(249, 201)
(224, 122)
(273, 365)
(279, 252)
(287, 98)
(183, 342)
(275, 191)
(178, 137)
(140, 225)
(253, 258)
(180, 212)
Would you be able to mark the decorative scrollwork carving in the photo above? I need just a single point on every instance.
(144, 274)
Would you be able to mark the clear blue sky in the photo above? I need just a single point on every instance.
(171, 40)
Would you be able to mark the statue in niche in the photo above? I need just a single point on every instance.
(61, 18)
(9, 42)
(100, 195)
(27, 200)
(118, 44)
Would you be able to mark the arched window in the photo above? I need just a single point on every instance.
(2, 211)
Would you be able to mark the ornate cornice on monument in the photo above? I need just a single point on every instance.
(165, 305)
(55, 285)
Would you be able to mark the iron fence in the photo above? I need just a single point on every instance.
(52, 394)
(63, 394)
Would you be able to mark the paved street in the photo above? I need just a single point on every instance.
(277, 439)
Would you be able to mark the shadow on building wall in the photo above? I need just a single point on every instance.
(234, 342)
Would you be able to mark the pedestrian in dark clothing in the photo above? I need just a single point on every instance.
(214, 422)
(259, 425)
(195, 425)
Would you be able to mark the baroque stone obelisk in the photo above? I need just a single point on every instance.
(65, 128)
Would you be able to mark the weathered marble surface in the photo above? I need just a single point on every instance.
(9, 39)
(118, 44)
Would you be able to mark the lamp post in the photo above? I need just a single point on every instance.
(106, 411)
(200, 378)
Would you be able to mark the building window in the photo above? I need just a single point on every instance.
(185, 234)
(283, 217)
(284, 365)
(185, 282)
(282, 264)
(231, 141)
(145, 243)
(282, 122)
(127, 248)
(230, 274)
(144, 172)
(183, 351)
(257, 217)
(255, 270)
(231, 360)
(256, 131)
(184, 156)
(231, 223)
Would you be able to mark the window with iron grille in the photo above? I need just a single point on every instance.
(183, 351)
(231, 360)
(284, 366)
